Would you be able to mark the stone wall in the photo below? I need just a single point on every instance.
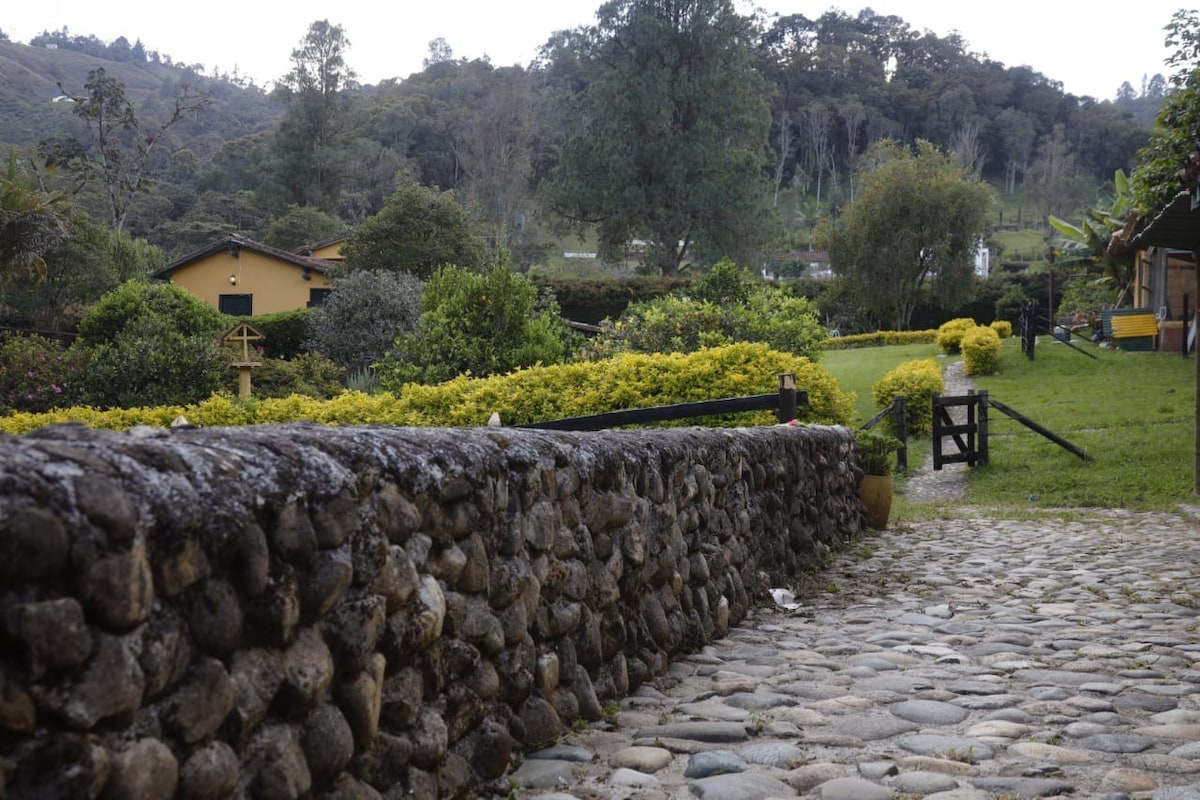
(298, 611)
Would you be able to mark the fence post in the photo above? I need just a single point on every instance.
(972, 443)
(983, 426)
(900, 425)
(787, 397)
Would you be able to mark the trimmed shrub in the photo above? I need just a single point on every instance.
(949, 335)
(916, 381)
(630, 380)
(593, 301)
(981, 349)
(1002, 327)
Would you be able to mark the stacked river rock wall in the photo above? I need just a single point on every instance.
(299, 611)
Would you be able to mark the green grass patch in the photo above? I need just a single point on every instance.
(1133, 413)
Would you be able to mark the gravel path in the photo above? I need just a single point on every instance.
(926, 484)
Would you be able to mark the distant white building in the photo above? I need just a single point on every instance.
(983, 259)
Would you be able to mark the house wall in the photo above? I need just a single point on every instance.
(274, 284)
(1163, 278)
(295, 611)
(330, 252)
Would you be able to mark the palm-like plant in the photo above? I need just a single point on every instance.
(31, 221)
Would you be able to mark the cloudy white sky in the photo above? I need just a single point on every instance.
(1089, 50)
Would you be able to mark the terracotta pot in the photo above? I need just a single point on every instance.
(876, 494)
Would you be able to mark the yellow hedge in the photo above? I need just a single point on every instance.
(1002, 327)
(629, 380)
(879, 339)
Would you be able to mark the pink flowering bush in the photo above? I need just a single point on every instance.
(36, 373)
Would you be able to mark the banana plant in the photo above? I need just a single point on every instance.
(1100, 238)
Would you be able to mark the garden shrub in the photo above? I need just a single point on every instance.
(1002, 327)
(917, 381)
(684, 324)
(592, 301)
(949, 335)
(363, 315)
(309, 374)
(283, 332)
(630, 380)
(479, 324)
(36, 373)
(150, 344)
(981, 349)
(181, 312)
(633, 380)
(670, 324)
(150, 363)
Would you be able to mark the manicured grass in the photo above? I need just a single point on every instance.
(1133, 413)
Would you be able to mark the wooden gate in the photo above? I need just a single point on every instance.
(969, 440)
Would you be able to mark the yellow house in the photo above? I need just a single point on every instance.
(326, 249)
(243, 278)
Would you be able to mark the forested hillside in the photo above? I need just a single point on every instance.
(812, 95)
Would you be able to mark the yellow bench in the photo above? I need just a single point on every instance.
(1127, 326)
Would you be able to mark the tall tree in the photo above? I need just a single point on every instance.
(309, 148)
(916, 221)
(670, 138)
(495, 154)
(1177, 132)
(120, 147)
(419, 230)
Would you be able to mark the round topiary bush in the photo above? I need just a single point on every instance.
(916, 381)
(1002, 327)
(981, 351)
(949, 335)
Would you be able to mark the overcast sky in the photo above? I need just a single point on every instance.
(1091, 48)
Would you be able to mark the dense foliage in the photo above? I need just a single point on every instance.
(36, 373)
(667, 141)
(419, 230)
(150, 345)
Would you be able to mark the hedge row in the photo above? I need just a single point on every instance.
(880, 338)
(537, 394)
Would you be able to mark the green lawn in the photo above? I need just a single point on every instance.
(1133, 413)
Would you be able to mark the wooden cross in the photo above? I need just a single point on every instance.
(244, 334)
